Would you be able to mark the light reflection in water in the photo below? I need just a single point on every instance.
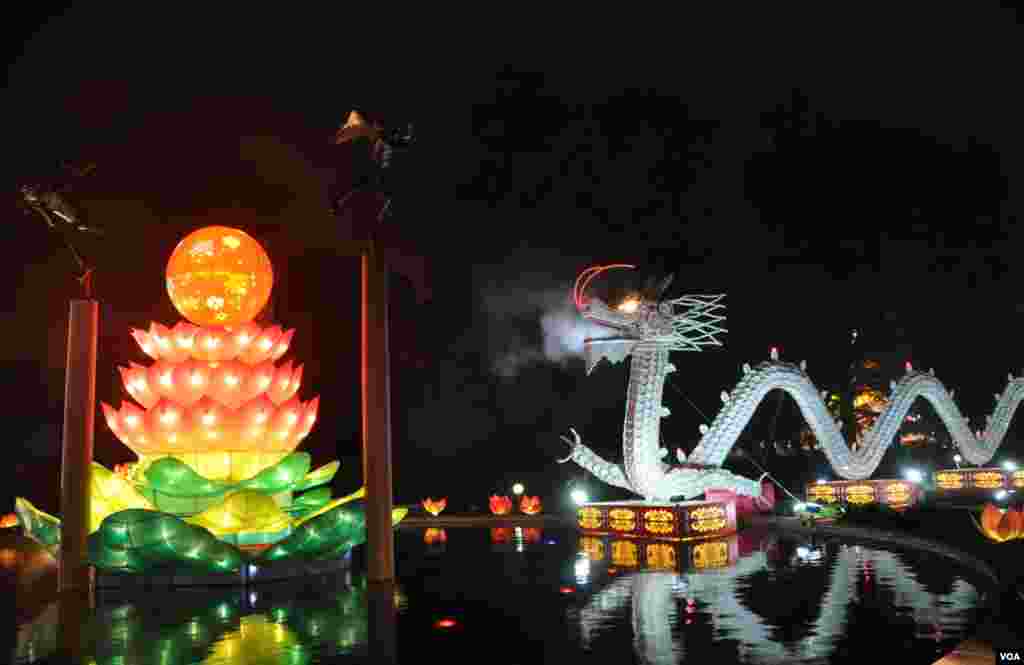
(290, 626)
(704, 584)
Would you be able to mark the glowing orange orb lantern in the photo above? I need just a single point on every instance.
(219, 276)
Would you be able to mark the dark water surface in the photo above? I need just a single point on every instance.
(525, 596)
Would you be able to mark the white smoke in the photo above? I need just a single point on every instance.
(550, 330)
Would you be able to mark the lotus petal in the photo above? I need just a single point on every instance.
(245, 511)
(358, 494)
(312, 500)
(320, 476)
(40, 526)
(139, 540)
(111, 493)
(282, 345)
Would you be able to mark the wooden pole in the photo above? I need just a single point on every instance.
(76, 466)
(376, 412)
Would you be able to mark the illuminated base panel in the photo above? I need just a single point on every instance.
(679, 556)
(967, 481)
(893, 493)
(686, 520)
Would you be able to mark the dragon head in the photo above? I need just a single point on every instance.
(683, 324)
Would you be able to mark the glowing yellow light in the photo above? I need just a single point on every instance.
(139, 384)
(162, 342)
(231, 380)
(197, 379)
(219, 276)
(165, 380)
(243, 339)
(266, 344)
(131, 421)
(212, 342)
(264, 382)
(208, 419)
(292, 418)
(168, 417)
(185, 342)
(281, 348)
(629, 305)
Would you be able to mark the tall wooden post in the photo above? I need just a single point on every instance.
(76, 466)
(376, 412)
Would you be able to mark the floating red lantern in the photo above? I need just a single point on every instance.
(435, 536)
(501, 505)
(435, 507)
(529, 505)
(1001, 527)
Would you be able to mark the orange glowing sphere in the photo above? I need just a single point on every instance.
(219, 276)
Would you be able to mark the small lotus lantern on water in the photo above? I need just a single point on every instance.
(1001, 527)
(435, 507)
(529, 505)
(8, 521)
(501, 505)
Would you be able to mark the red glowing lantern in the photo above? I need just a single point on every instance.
(501, 535)
(435, 507)
(567, 589)
(501, 505)
(8, 521)
(1000, 527)
(531, 535)
(529, 505)
(446, 623)
(435, 536)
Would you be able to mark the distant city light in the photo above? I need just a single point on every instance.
(517, 489)
(579, 497)
(913, 475)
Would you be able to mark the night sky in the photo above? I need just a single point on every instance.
(829, 171)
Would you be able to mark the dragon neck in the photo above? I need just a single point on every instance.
(641, 432)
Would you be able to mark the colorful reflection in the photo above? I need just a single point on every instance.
(661, 604)
(273, 625)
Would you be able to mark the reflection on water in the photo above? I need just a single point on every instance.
(267, 624)
(555, 597)
(736, 587)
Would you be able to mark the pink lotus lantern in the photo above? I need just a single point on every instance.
(435, 507)
(529, 505)
(501, 505)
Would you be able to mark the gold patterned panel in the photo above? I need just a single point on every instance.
(659, 521)
(622, 526)
(989, 479)
(593, 548)
(1017, 479)
(712, 554)
(949, 480)
(705, 526)
(707, 512)
(822, 494)
(860, 494)
(898, 493)
(589, 518)
(661, 556)
(624, 554)
(622, 519)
